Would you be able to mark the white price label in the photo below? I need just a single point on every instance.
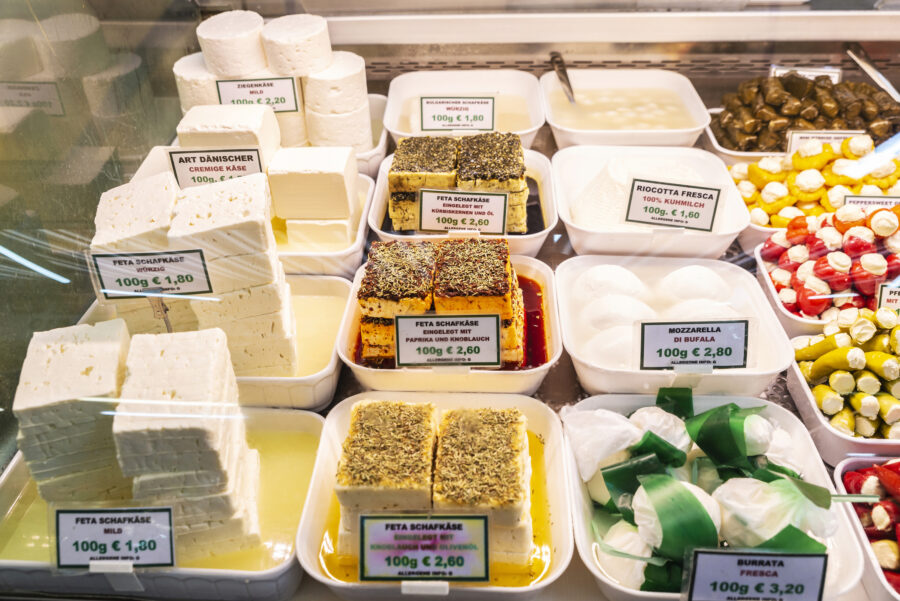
(134, 274)
(871, 201)
(412, 547)
(833, 73)
(670, 204)
(442, 112)
(142, 536)
(32, 94)
(796, 137)
(278, 92)
(198, 167)
(889, 296)
(447, 340)
(444, 210)
(719, 344)
(727, 575)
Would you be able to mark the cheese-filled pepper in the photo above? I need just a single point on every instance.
(844, 421)
(865, 427)
(834, 270)
(868, 273)
(830, 402)
(846, 358)
(888, 407)
(817, 349)
(867, 382)
(884, 364)
(842, 382)
(879, 342)
(864, 404)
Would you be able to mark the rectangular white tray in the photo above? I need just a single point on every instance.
(772, 349)
(461, 378)
(519, 244)
(844, 562)
(541, 420)
(793, 325)
(276, 584)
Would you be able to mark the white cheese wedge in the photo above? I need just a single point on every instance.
(241, 271)
(314, 183)
(228, 126)
(353, 128)
(321, 235)
(72, 45)
(123, 87)
(224, 219)
(136, 216)
(195, 83)
(340, 87)
(19, 56)
(244, 302)
(297, 44)
(231, 43)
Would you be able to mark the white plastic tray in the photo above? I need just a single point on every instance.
(833, 445)
(873, 579)
(730, 157)
(627, 78)
(844, 562)
(575, 167)
(315, 391)
(793, 325)
(311, 392)
(276, 584)
(536, 165)
(541, 420)
(754, 235)
(461, 378)
(343, 262)
(461, 83)
(768, 353)
(368, 161)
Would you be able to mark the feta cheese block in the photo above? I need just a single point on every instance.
(340, 87)
(386, 458)
(258, 328)
(142, 320)
(19, 57)
(72, 45)
(482, 465)
(322, 235)
(240, 271)
(195, 83)
(474, 275)
(353, 128)
(275, 358)
(123, 87)
(297, 44)
(231, 126)
(314, 183)
(221, 505)
(192, 483)
(244, 302)
(398, 279)
(106, 483)
(217, 537)
(136, 216)
(492, 161)
(231, 43)
(226, 218)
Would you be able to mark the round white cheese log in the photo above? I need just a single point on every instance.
(72, 45)
(293, 128)
(343, 129)
(19, 56)
(196, 84)
(297, 44)
(123, 87)
(231, 43)
(340, 88)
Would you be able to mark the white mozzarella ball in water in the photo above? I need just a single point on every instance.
(611, 348)
(602, 280)
(615, 310)
(693, 281)
(699, 309)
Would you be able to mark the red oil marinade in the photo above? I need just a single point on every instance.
(535, 331)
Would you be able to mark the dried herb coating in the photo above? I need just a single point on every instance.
(398, 269)
(404, 196)
(493, 156)
(427, 154)
(390, 444)
(472, 267)
(479, 457)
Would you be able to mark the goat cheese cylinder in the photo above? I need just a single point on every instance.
(231, 43)
(19, 56)
(297, 44)
(123, 87)
(340, 88)
(72, 45)
(195, 82)
(341, 129)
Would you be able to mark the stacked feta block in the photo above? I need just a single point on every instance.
(65, 426)
(314, 190)
(180, 434)
(231, 127)
(135, 217)
(232, 222)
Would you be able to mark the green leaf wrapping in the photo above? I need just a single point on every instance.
(818, 495)
(793, 540)
(763, 462)
(662, 579)
(677, 401)
(602, 521)
(667, 453)
(622, 481)
(684, 521)
(610, 550)
(720, 433)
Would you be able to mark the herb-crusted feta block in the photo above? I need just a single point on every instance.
(474, 276)
(386, 459)
(423, 162)
(398, 279)
(135, 217)
(491, 161)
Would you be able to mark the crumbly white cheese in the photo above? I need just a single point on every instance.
(314, 183)
(136, 216)
(842, 166)
(297, 44)
(272, 358)
(758, 216)
(739, 171)
(839, 261)
(798, 254)
(870, 190)
(340, 87)
(770, 164)
(353, 128)
(746, 188)
(861, 145)
(773, 192)
(860, 232)
(232, 44)
(232, 273)
(790, 212)
(810, 148)
(244, 302)
(231, 126)
(884, 223)
(195, 83)
(874, 263)
(831, 237)
(809, 180)
(836, 195)
(883, 170)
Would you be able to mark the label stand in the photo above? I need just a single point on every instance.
(439, 588)
(119, 574)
